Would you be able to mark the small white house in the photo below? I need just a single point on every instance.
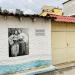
(25, 43)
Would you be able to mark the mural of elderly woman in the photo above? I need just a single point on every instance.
(10, 42)
(14, 45)
(22, 43)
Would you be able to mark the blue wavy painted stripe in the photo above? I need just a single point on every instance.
(21, 67)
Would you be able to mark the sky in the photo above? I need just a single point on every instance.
(29, 6)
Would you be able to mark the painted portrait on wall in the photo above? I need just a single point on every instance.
(18, 42)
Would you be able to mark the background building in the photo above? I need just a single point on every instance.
(69, 8)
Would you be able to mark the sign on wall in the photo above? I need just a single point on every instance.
(25, 49)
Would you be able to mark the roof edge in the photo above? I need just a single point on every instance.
(25, 15)
(67, 1)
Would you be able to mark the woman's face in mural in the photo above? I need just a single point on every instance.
(19, 31)
(16, 32)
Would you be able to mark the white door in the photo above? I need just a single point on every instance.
(63, 42)
(59, 43)
(71, 42)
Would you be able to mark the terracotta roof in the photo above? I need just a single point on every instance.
(62, 18)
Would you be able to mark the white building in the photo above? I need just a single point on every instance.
(36, 33)
(69, 8)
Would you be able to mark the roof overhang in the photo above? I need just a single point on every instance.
(59, 18)
(25, 15)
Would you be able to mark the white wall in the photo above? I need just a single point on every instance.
(69, 8)
(39, 46)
